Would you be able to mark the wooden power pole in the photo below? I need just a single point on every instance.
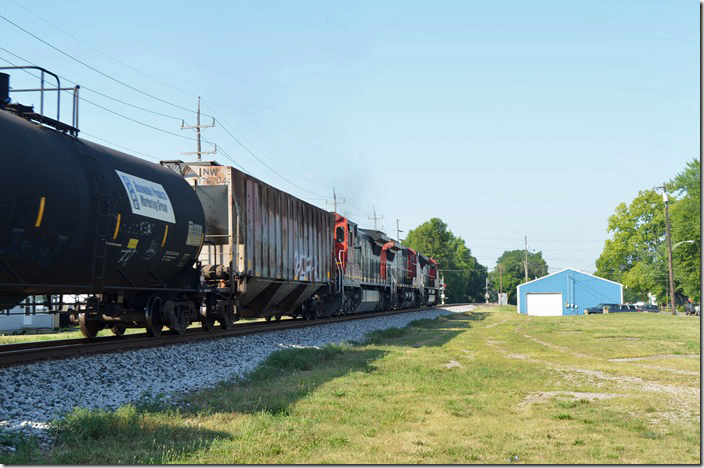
(525, 261)
(669, 248)
(501, 279)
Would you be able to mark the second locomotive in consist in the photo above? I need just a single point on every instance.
(165, 246)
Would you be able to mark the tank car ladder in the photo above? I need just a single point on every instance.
(100, 209)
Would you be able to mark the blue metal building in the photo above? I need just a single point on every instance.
(567, 292)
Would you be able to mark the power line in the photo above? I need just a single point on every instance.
(88, 89)
(122, 147)
(133, 88)
(93, 68)
(102, 53)
(109, 110)
(136, 121)
(146, 94)
(261, 153)
(265, 164)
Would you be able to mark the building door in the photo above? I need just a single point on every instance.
(544, 303)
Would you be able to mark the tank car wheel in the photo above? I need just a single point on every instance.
(118, 330)
(89, 328)
(152, 312)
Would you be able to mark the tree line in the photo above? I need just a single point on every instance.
(464, 276)
(636, 256)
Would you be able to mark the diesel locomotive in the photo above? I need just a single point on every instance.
(166, 245)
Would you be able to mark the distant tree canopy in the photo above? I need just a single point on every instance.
(510, 271)
(464, 276)
(637, 254)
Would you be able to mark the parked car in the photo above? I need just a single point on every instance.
(692, 308)
(600, 309)
(627, 308)
(648, 308)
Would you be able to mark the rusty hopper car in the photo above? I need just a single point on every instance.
(270, 250)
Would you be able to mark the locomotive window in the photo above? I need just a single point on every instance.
(340, 234)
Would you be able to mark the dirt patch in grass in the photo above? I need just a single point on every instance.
(636, 382)
(562, 349)
(622, 380)
(452, 364)
(497, 323)
(539, 397)
(619, 337)
(657, 356)
(668, 369)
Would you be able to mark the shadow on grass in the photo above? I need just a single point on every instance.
(284, 378)
(289, 375)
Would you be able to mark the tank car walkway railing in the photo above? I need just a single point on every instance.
(40, 116)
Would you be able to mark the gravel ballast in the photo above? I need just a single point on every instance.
(34, 394)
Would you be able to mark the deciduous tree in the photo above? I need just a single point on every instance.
(637, 255)
(464, 276)
(512, 265)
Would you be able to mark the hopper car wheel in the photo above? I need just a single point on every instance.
(267, 318)
(208, 321)
(153, 315)
(277, 317)
(118, 330)
(227, 316)
(89, 328)
(311, 314)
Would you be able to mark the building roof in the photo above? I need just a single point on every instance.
(569, 269)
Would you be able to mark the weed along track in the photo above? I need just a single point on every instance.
(481, 385)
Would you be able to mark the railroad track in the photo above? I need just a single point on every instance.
(56, 349)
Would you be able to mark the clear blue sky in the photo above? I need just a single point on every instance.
(504, 119)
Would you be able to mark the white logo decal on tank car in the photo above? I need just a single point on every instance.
(147, 198)
(195, 234)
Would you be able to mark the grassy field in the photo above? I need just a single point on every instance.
(487, 386)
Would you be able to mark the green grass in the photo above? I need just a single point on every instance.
(466, 388)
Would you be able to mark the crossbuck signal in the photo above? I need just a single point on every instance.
(197, 127)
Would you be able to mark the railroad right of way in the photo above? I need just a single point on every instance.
(36, 393)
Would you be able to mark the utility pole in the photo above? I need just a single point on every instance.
(197, 127)
(334, 200)
(525, 262)
(669, 248)
(486, 294)
(398, 231)
(501, 279)
(375, 217)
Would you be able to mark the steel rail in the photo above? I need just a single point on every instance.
(26, 352)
